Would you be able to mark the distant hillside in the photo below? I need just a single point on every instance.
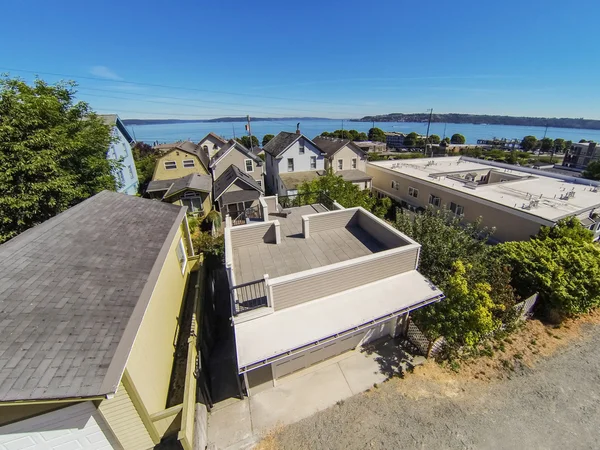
(553, 122)
(219, 119)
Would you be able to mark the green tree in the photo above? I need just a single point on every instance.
(245, 141)
(383, 207)
(529, 143)
(512, 158)
(344, 192)
(458, 139)
(267, 138)
(53, 153)
(546, 144)
(376, 134)
(434, 139)
(411, 139)
(145, 159)
(562, 263)
(592, 171)
(362, 137)
(559, 145)
(446, 140)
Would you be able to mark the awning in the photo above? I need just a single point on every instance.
(283, 331)
(239, 196)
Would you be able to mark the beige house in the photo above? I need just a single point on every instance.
(234, 153)
(309, 285)
(514, 200)
(180, 159)
(211, 144)
(193, 191)
(345, 159)
(238, 195)
(90, 322)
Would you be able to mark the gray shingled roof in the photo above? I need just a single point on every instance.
(73, 291)
(353, 175)
(280, 143)
(232, 143)
(229, 176)
(193, 181)
(332, 145)
(216, 136)
(189, 147)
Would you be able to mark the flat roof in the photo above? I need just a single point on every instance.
(532, 185)
(73, 291)
(295, 254)
(291, 328)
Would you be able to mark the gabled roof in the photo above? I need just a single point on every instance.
(333, 145)
(73, 292)
(193, 182)
(113, 120)
(211, 134)
(229, 176)
(280, 143)
(188, 147)
(229, 146)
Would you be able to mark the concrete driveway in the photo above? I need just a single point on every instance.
(236, 424)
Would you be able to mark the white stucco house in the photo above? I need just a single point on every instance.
(292, 159)
(120, 150)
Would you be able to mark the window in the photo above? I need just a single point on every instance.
(313, 162)
(170, 165)
(121, 177)
(130, 171)
(205, 148)
(249, 165)
(188, 163)
(301, 149)
(413, 192)
(194, 204)
(290, 164)
(395, 185)
(181, 256)
(434, 200)
(340, 164)
(457, 209)
(259, 182)
(354, 163)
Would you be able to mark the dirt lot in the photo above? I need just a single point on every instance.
(539, 388)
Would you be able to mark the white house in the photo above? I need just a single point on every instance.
(291, 159)
(120, 150)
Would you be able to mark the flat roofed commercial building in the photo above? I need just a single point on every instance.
(517, 201)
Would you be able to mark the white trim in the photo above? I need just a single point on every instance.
(340, 166)
(183, 162)
(280, 155)
(182, 263)
(246, 165)
(170, 168)
(235, 145)
(233, 181)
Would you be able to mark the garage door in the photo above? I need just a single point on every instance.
(74, 427)
(316, 355)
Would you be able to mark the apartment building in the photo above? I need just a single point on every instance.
(581, 154)
(394, 139)
(516, 201)
(313, 283)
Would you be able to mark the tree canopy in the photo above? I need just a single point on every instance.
(559, 145)
(411, 139)
(592, 171)
(145, 159)
(434, 139)
(267, 138)
(353, 135)
(344, 192)
(245, 141)
(546, 144)
(529, 143)
(376, 134)
(561, 263)
(458, 138)
(53, 153)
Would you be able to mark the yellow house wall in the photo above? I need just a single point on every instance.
(509, 227)
(151, 358)
(160, 173)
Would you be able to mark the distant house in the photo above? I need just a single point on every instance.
(193, 190)
(371, 146)
(346, 160)
(211, 144)
(238, 194)
(291, 160)
(89, 325)
(120, 150)
(180, 159)
(235, 153)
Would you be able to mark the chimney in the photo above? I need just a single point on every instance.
(298, 128)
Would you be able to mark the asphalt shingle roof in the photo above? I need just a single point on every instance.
(332, 145)
(229, 176)
(192, 181)
(280, 143)
(72, 294)
(189, 147)
(232, 143)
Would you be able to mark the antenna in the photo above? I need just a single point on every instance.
(249, 130)
(427, 137)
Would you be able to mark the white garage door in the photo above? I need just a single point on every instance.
(74, 427)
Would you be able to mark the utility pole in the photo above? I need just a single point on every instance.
(444, 137)
(249, 130)
(342, 128)
(428, 125)
(233, 129)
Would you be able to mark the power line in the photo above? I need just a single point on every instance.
(83, 77)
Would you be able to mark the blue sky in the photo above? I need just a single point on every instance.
(201, 59)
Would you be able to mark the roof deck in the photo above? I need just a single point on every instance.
(295, 253)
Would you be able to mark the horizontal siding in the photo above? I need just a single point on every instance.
(252, 235)
(380, 232)
(125, 422)
(329, 221)
(295, 292)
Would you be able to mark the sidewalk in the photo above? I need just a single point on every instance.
(239, 424)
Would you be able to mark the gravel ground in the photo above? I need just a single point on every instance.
(554, 405)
